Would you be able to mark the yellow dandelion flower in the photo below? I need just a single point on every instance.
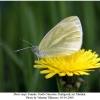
(79, 63)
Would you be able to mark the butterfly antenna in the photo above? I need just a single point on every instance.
(21, 49)
(26, 41)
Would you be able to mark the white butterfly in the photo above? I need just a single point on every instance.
(63, 39)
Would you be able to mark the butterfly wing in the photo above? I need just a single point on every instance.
(64, 39)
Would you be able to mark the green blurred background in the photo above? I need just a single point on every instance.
(31, 21)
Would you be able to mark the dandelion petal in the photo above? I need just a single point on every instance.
(50, 75)
(45, 71)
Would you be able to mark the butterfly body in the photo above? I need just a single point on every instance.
(40, 54)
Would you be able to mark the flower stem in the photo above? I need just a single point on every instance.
(60, 88)
(71, 90)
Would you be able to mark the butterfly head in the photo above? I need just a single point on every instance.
(35, 49)
(40, 54)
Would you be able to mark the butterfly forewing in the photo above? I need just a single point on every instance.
(64, 39)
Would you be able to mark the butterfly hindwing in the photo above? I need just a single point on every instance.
(64, 39)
